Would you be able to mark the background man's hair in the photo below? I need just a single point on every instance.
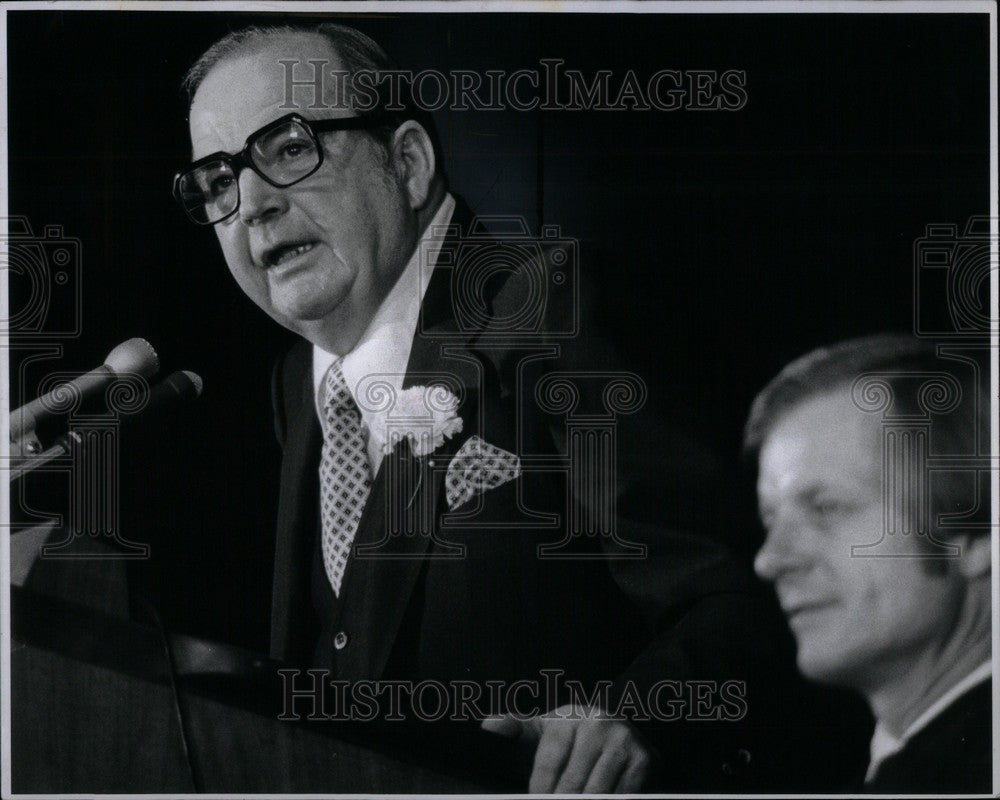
(897, 358)
(356, 50)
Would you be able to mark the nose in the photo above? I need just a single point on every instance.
(782, 549)
(259, 200)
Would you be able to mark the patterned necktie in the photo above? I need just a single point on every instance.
(344, 474)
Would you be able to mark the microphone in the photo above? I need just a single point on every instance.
(135, 356)
(180, 385)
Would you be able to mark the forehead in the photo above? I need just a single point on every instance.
(245, 91)
(825, 439)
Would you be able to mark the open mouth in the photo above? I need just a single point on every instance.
(284, 253)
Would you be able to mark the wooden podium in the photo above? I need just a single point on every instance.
(101, 703)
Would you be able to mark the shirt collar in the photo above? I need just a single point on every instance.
(384, 348)
(884, 744)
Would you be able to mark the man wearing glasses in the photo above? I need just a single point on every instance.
(320, 212)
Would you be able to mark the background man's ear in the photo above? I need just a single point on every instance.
(975, 561)
(413, 156)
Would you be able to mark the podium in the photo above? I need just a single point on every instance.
(103, 703)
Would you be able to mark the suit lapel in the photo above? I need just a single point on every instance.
(398, 531)
(297, 516)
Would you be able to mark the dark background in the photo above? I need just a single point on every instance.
(721, 244)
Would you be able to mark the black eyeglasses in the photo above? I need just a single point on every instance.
(282, 153)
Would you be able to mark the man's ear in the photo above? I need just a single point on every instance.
(413, 157)
(975, 561)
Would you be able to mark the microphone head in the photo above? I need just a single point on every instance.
(133, 356)
(196, 381)
(185, 384)
(176, 386)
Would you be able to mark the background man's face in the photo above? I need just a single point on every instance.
(352, 216)
(857, 620)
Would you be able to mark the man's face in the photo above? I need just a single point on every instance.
(857, 620)
(351, 221)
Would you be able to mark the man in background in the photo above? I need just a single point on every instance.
(881, 596)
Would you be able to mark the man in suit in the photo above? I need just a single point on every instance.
(882, 596)
(458, 560)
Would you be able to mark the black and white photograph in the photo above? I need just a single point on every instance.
(499, 398)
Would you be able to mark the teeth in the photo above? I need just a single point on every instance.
(291, 252)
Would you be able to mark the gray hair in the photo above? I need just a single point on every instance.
(356, 50)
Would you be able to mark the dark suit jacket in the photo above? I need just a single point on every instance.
(952, 755)
(474, 599)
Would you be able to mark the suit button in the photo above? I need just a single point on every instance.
(340, 640)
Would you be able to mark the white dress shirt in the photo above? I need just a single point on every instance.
(884, 744)
(384, 347)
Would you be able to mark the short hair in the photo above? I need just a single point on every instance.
(358, 52)
(895, 357)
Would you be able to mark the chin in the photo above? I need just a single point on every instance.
(303, 304)
(820, 660)
(308, 294)
(826, 664)
(292, 313)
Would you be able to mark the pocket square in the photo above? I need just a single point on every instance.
(476, 467)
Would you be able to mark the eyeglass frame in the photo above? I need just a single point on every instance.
(242, 160)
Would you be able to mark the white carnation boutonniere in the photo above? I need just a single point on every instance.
(426, 415)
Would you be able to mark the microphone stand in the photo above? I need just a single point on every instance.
(63, 446)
